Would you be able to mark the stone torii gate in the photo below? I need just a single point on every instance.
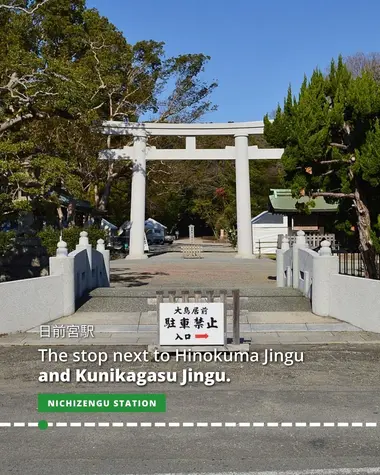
(139, 153)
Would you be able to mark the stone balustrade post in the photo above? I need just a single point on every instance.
(85, 245)
(61, 249)
(63, 265)
(324, 266)
(299, 244)
(100, 247)
(280, 268)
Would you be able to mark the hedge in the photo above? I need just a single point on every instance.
(50, 237)
(7, 239)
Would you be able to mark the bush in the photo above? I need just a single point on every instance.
(50, 237)
(7, 239)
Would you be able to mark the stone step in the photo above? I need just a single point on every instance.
(144, 304)
(253, 299)
(150, 318)
(150, 292)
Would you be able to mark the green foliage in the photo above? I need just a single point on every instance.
(180, 191)
(63, 70)
(50, 237)
(7, 239)
(331, 137)
(232, 237)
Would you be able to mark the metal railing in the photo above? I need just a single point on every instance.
(265, 246)
(351, 263)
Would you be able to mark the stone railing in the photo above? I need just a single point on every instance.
(316, 274)
(312, 239)
(31, 302)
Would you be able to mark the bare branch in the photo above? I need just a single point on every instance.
(98, 106)
(97, 61)
(164, 183)
(11, 122)
(327, 162)
(333, 195)
(64, 78)
(339, 145)
(24, 10)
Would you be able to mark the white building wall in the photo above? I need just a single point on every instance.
(266, 236)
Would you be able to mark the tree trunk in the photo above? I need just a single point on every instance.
(96, 196)
(367, 250)
(60, 217)
(103, 202)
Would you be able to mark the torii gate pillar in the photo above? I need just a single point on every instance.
(243, 197)
(137, 216)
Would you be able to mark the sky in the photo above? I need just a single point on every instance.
(257, 48)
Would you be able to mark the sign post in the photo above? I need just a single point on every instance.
(191, 324)
(195, 322)
(146, 245)
(191, 234)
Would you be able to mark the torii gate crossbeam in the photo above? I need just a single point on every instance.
(140, 153)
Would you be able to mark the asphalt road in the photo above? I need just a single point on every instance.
(332, 386)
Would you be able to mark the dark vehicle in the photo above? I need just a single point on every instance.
(154, 236)
(168, 239)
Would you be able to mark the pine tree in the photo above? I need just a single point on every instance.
(331, 137)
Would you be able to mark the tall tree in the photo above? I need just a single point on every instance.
(331, 136)
(63, 70)
(361, 62)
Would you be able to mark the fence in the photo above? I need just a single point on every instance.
(209, 296)
(191, 251)
(351, 263)
(318, 275)
(28, 303)
(266, 247)
(312, 240)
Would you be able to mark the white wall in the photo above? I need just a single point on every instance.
(356, 300)
(268, 235)
(305, 266)
(25, 304)
(31, 302)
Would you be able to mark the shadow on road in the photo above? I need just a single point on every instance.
(133, 279)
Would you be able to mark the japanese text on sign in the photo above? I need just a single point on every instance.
(67, 331)
(191, 324)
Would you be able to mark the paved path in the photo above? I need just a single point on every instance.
(329, 400)
(223, 270)
(125, 315)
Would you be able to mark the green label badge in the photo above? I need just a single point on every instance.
(101, 403)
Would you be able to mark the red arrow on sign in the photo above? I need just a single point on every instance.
(200, 335)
